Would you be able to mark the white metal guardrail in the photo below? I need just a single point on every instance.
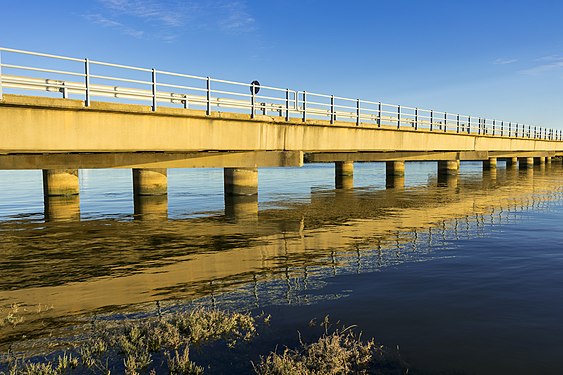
(87, 79)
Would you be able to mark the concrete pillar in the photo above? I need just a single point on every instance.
(150, 182)
(394, 182)
(344, 174)
(241, 207)
(150, 207)
(448, 167)
(60, 182)
(240, 181)
(526, 162)
(548, 161)
(448, 180)
(539, 160)
(511, 162)
(395, 168)
(490, 164)
(62, 207)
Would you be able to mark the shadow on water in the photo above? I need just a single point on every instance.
(247, 257)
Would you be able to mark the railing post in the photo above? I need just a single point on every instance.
(416, 119)
(529, 131)
(457, 123)
(154, 90)
(445, 121)
(332, 109)
(516, 131)
(479, 126)
(1, 93)
(494, 123)
(358, 112)
(379, 116)
(208, 109)
(304, 106)
(87, 82)
(252, 100)
(468, 124)
(286, 104)
(502, 128)
(431, 119)
(398, 117)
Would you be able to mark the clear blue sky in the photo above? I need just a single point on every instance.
(499, 59)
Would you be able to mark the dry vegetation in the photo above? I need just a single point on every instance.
(163, 344)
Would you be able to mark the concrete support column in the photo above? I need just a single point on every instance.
(241, 208)
(150, 182)
(448, 180)
(539, 160)
(395, 168)
(548, 161)
(395, 174)
(490, 164)
(60, 194)
(62, 207)
(448, 167)
(511, 162)
(60, 182)
(150, 207)
(526, 162)
(240, 181)
(150, 194)
(344, 174)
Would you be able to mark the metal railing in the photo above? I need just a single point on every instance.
(89, 79)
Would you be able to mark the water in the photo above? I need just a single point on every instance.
(463, 276)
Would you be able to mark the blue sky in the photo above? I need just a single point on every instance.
(499, 59)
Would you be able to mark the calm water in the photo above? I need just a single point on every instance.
(463, 275)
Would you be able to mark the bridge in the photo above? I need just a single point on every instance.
(93, 114)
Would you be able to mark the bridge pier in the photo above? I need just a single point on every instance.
(150, 207)
(525, 162)
(150, 181)
(448, 167)
(490, 164)
(539, 160)
(60, 182)
(344, 175)
(240, 181)
(395, 174)
(448, 180)
(241, 207)
(62, 207)
(60, 194)
(548, 161)
(150, 193)
(511, 162)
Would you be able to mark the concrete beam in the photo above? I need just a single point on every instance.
(36, 124)
(248, 159)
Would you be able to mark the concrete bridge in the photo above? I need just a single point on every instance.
(85, 119)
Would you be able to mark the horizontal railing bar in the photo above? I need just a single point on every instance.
(109, 78)
(41, 70)
(41, 54)
(93, 62)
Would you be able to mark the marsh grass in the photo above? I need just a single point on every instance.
(164, 344)
(341, 351)
(130, 346)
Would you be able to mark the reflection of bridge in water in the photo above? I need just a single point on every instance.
(100, 265)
